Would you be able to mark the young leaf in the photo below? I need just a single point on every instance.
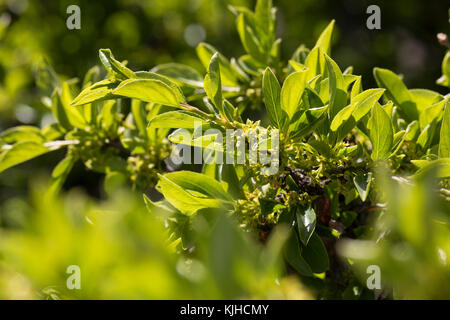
(424, 98)
(230, 181)
(21, 152)
(426, 136)
(361, 105)
(155, 76)
(397, 92)
(306, 223)
(264, 24)
(187, 202)
(60, 173)
(114, 67)
(21, 133)
(444, 143)
(431, 113)
(198, 182)
(228, 75)
(444, 80)
(356, 89)
(315, 62)
(272, 93)
(315, 254)
(292, 91)
(213, 84)
(74, 115)
(184, 201)
(148, 90)
(97, 92)
(380, 133)
(293, 256)
(205, 141)
(324, 41)
(182, 73)
(362, 183)
(176, 119)
(337, 87)
(308, 121)
(399, 138)
(60, 112)
(138, 111)
(249, 39)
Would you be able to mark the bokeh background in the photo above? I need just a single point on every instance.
(150, 32)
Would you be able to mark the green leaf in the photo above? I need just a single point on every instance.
(337, 87)
(21, 152)
(308, 121)
(199, 182)
(21, 133)
(439, 167)
(60, 112)
(306, 223)
(213, 84)
(204, 141)
(356, 89)
(230, 181)
(362, 183)
(60, 173)
(399, 138)
(412, 131)
(114, 67)
(107, 117)
(187, 202)
(148, 90)
(324, 41)
(97, 92)
(433, 112)
(228, 75)
(297, 66)
(155, 76)
(424, 98)
(249, 39)
(315, 254)
(397, 92)
(265, 24)
(343, 116)
(361, 105)
(177, 119)
(365, 102)
(182, 73)
(293, 256)
(52, 132)
(315, 63)
(74, 115)
(292, 91)
(272, 94)
(444, 80)
(139, 116)
(426, 136)
(444, 143)
(92, 76)
(380, 133)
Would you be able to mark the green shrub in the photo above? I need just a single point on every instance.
(361, 175)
